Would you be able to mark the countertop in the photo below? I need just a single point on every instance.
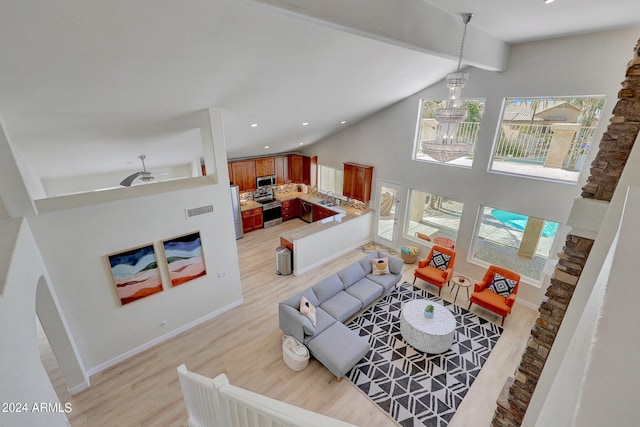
(248, 205)
(345, 213)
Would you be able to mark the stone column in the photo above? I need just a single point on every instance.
(418, 200)
(560, 145)
(531, 237)
(428, 130)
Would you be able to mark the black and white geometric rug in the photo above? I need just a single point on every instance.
(416, 388)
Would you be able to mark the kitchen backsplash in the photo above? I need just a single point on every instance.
(305, 189)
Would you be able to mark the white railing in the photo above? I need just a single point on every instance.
(524, 143)
(216, 403)
(467, 133)
(520, 142)
(530, 144)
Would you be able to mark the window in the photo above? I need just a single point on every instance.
(449, 143)
(514, 241)
(547, 138)
(433, 215)
(330, 179)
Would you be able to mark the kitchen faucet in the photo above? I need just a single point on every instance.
(332, 195)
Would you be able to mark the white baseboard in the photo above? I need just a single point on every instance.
(78, 388)
(527, 304)
(109, 363)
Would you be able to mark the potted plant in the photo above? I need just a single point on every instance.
(428, 311)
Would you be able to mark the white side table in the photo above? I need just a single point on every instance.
(433, 335)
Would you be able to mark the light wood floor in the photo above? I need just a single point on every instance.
(245, 344)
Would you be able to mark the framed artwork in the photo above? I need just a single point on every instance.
(135, 273)
(184, 258)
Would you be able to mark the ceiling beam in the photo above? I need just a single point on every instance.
(412, 24)
(16, 200)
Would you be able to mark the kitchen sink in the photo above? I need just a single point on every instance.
(327, 203)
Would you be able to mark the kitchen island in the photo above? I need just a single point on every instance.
(320, 241)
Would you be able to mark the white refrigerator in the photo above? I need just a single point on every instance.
(237, 213)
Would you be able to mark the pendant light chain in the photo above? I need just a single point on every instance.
(466, 17)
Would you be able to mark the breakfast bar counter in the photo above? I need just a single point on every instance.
(320, 241)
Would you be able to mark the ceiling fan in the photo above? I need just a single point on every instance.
(144, 174)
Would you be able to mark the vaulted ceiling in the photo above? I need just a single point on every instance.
(87, 86)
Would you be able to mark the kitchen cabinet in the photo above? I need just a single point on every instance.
(296, 168)
(280, 166)
(286, 244)
(252, 219)
(320, 213)
(243, 173)
(357, 181)
(290, 209)
(265, 166)
(306, 170)
(290, 168)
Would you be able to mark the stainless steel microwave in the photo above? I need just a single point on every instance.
(265, 181)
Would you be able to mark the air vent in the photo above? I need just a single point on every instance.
(199, 211)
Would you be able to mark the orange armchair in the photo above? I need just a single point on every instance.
(435, 275)
(492, 301)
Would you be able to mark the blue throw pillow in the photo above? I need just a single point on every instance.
(502, 286)
(439, 260)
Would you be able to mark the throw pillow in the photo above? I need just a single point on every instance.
(439, 260)
(502, 286)
(380, 266)
(308, 310)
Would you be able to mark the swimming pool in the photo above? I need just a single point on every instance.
(519, 222)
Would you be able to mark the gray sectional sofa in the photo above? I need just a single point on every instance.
(337, 298)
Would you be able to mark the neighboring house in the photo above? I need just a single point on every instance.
(562, 112)
(53, 248)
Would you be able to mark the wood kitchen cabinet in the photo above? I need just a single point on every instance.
(290, 168)
(320, 212)
(265, 166)
(243, 173)
(280, 170)
(252, 219)
(290, 209)
(299, 169)
(296, 168)
(357, 181)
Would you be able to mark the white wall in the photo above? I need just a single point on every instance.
(22, 376)
(615, 346)
(582, 65)
(75, 242)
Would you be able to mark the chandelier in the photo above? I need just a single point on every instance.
(451, 114)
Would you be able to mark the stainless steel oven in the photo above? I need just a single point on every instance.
(271, 207)
(272, 213)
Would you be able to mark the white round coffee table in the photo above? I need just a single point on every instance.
(433, 335)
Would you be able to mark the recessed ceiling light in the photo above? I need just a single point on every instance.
(343, 122)
(266, 146)
(548, 1)
(254, 125)
(302, 143)
(305, 123)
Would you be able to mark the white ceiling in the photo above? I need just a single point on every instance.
(87, 85)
